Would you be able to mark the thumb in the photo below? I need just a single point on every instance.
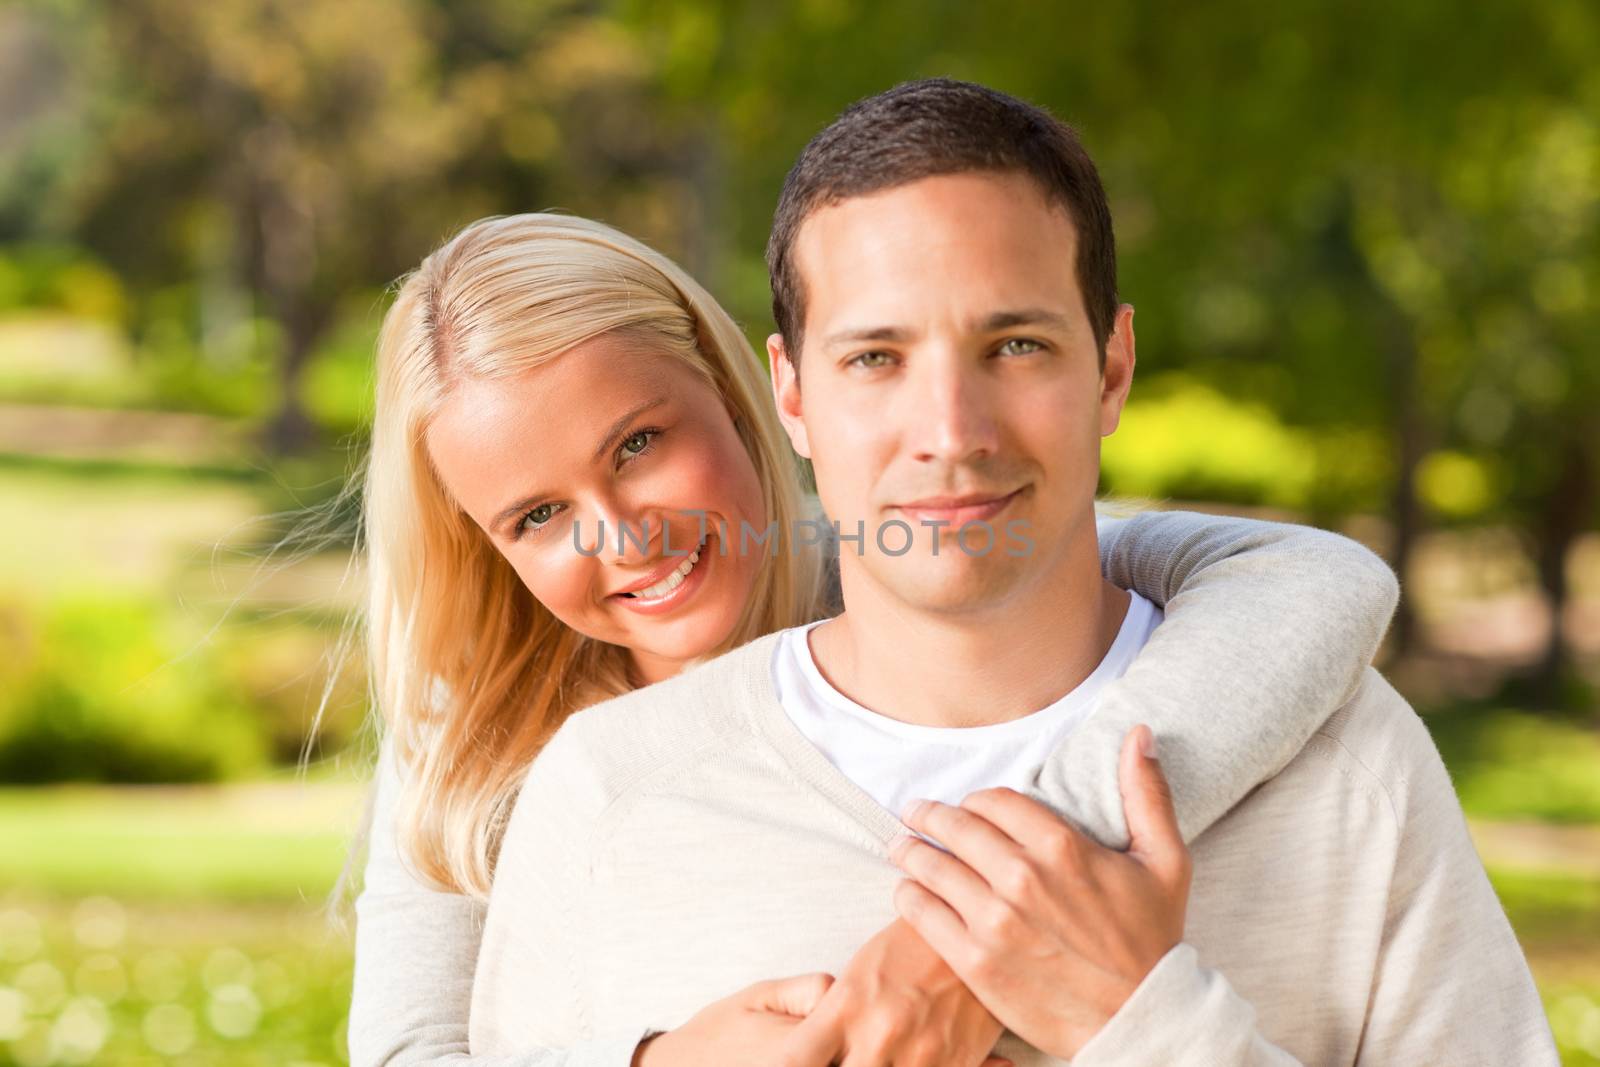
(1153, 834)
(797, 996)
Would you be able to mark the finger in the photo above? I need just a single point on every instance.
(998, 1061)
(935, 922)
(1153, 834)
(816, 1042)
(1023, 819)
(944, 875)
(797, 996)
(971, 838)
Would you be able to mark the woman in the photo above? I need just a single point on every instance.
(539, 375)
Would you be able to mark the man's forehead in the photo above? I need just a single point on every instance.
(976, 244)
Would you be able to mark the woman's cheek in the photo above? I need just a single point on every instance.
(731, 475)
(557, 578)
(698, 478)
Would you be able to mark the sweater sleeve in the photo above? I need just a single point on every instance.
(415, 955)
(1268, 628)
(1450, 983)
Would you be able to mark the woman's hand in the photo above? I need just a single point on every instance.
(749, 1027)
(896, 1004)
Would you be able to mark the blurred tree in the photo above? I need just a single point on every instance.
(282, 154)
(1386, 238)
(1324, 208)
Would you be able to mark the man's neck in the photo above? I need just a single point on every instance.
(977, 667)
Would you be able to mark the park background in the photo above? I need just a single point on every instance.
(1363, 238)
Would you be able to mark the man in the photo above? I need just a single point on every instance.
(950, 354)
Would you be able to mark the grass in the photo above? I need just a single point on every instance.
(111, 534)
(97, 981)
(266, 842)
(145, 926)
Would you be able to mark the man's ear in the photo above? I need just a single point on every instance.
(786, 393)
(1117, 377)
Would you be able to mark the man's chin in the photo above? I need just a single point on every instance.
(953, 586)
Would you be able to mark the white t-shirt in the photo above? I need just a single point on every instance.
(896, 762)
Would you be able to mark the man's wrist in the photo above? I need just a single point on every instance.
(1140, 1020)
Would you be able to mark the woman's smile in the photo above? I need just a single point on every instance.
(662, 593)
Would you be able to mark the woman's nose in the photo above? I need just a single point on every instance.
(628, 536)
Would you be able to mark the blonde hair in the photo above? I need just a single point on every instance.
(470, 673)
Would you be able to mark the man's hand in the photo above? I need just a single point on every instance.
(1051, 931)
(896, 1004)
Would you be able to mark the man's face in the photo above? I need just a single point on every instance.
(950, 374)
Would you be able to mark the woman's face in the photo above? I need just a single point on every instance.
(614, 431)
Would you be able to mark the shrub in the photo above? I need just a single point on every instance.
(105, 692)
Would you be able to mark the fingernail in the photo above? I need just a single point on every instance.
(912, 810)
(1147, 744)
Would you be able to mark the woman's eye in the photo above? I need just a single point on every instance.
(636, 444)
(539, 516)
(1019, 346)
(871, 359)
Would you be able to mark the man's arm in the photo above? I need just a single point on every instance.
(1268, 629)
(1451, 983)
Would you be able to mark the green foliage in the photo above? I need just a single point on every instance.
(1183, 439)
(60, 277)
(100, 692)
(337, 386)
(1514, 764)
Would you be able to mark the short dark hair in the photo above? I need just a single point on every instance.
(937, 126)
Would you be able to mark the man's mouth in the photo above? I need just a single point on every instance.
(960, 509)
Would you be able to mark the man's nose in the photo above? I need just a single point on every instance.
(952, 413)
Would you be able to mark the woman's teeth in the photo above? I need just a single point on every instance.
(669, 583)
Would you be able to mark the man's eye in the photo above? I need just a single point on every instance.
(872, 359)
(538, 516)
(1019, 346)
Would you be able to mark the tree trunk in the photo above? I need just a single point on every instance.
(292, 429)
(1410, 443)
(1567, 510)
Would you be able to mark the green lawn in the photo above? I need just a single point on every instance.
(280, 841)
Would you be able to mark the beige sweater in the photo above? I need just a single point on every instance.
(676, 844)
(1234, 694)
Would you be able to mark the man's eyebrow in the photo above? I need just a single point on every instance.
(999, 320)
(615, 430)
(866, 333)
(1005, 320)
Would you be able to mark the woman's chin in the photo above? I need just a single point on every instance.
(681, 640)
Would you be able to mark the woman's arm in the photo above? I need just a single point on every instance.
(416, 952)
(1268, 629)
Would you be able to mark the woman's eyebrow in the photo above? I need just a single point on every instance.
(616, 429)
(622, 424)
